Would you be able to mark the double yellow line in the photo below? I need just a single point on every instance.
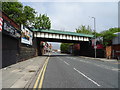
(39, 81)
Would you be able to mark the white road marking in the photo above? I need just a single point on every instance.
(60, 59)
(66, 63)
(87, 77)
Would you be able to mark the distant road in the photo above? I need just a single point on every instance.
(65, 71)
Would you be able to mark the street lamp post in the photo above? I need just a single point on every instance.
(95, 35)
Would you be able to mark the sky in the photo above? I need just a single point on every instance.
(67, 16)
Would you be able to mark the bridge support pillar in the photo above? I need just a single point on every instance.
(86, 49)
(76, 49)
(39, 48)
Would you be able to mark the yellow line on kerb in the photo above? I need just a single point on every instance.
(41, 75)
(36, 83)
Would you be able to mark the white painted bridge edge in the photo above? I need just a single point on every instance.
(60, 36)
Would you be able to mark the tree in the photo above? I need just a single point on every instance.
(65, 47)
(25, 15)
(28, 15)
(84, 29)
(21, 15)
(42, 22)
(13, 10)
(108, 35)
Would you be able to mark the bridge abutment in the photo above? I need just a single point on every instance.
(86, 49)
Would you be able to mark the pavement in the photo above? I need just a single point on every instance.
(101, 59)
(20, 75)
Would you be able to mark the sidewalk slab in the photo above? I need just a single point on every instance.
(18, 75)
(101, 59)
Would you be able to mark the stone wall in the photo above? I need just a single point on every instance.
(27, 51)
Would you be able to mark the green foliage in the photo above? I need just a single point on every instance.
(16, 11)
(84, 29)
(28, 15)
(65, 47)
(13, 10)
(25, 15)
(108, 35)
(42, 22)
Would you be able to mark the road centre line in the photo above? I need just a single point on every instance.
(87, 77)
(60, 59)
(66, 63)
(99, 65)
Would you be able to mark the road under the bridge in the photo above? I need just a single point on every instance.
(85, 46)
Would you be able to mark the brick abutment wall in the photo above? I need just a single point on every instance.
(26, 53)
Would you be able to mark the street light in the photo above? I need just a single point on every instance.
(95, 35)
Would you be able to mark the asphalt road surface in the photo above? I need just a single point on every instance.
(65, 71)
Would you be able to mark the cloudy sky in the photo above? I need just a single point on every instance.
(70, 15)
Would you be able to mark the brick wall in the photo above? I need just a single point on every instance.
(113, 51)
(116, 51)
(109, 52)
(116, 47)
